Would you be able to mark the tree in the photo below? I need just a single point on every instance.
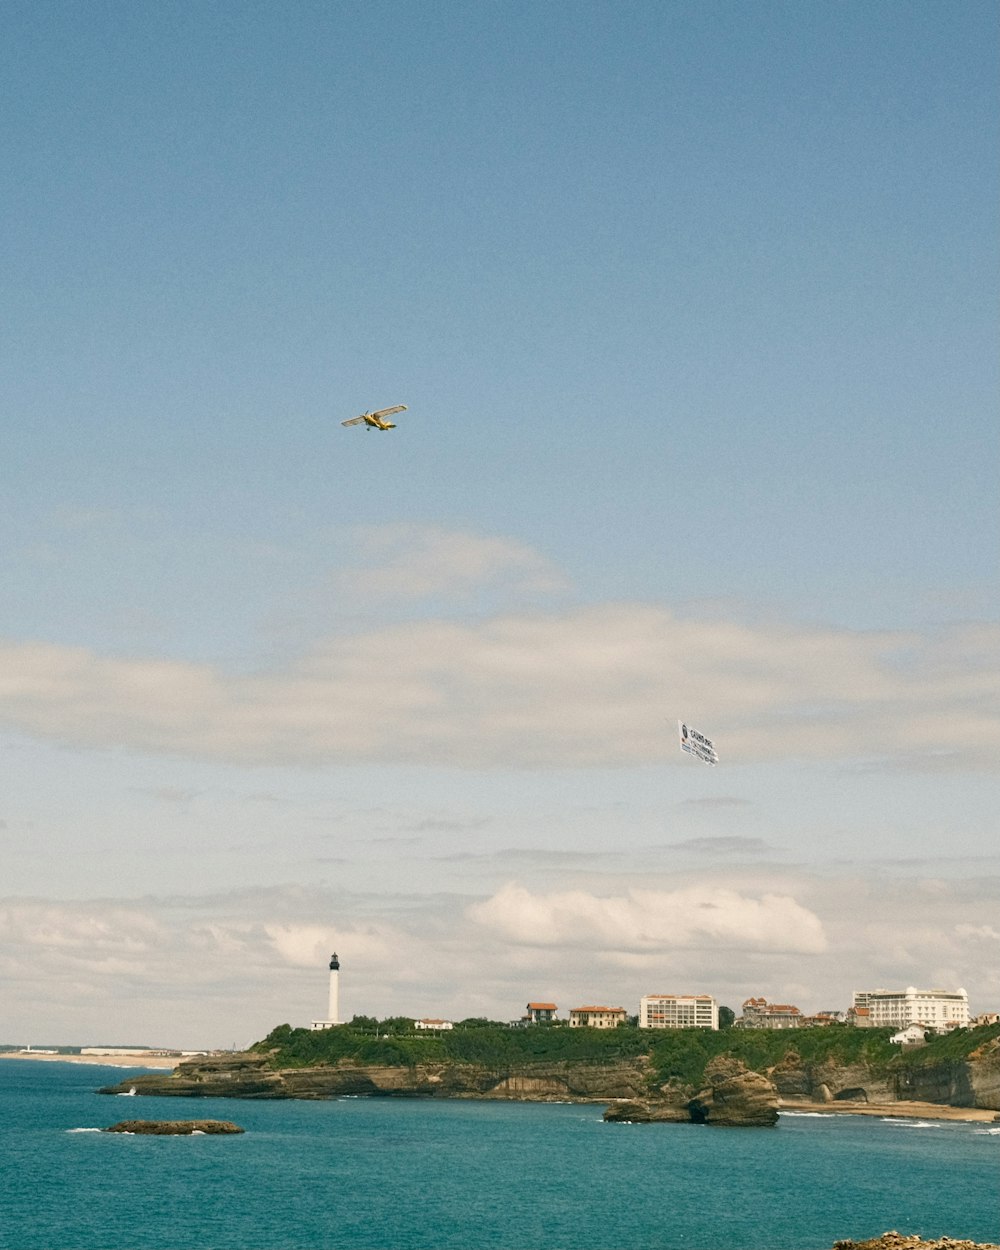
(364, 1024)
(726, 1017)
(396, 1024)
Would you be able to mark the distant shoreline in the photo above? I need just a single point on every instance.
(98, 1061)
(893, 1110)
(902, 1110)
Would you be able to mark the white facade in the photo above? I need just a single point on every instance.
(678, 1011)
(597, 1017)
(909, 1036)
(898, 1009)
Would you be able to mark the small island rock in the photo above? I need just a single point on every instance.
(900, 1241)
(174, 1128)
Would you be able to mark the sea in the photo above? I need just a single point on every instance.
(395, 1174)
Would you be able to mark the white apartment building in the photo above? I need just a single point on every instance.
(678, 1011)
(898, 1009)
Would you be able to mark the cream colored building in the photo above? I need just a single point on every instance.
(898, 1009)
(758, 1013)
(678, 1011)
(597, 1017)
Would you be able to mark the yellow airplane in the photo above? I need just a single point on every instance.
(374, 420)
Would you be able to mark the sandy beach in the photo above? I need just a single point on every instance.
(896, 1110)
(98, 1061)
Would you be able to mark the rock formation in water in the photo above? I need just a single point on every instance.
(732, 1096)
(898, 1241)
(174, 1128)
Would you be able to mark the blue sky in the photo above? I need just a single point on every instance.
(694, 310)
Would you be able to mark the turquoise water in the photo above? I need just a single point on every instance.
(394, 1174)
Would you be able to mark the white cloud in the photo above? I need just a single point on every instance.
(77, 929)
(408, 561)
(595, 686)
(699, 917)
(198, 971)
(984, 932)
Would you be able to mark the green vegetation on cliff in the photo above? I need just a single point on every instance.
(489, 1045)
(681, 1054)
(677, 1055)
(672, 1054)
(958, 1045)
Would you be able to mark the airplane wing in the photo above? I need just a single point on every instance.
(387, 412)
(353, 421)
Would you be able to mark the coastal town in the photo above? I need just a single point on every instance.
(913, 1012)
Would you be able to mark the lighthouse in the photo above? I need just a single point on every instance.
(334, 1013)
(333, 1009)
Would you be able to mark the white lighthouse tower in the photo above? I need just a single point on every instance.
(333, 1011)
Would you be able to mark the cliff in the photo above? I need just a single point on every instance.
(251, 1075)
(922, 1074)
(667, 1069)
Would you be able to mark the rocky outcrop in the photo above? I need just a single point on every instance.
(647, 1111)
(174, 1128)
(735, 1096)
(897, 1241)
(732, 1096)
(250, 1076)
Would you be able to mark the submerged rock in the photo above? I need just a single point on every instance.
(174, 1128)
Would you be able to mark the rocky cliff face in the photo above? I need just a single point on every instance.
(249, 1076)
(732, 1096)
(829, 1082)
(974, 1082)
(959, 1083)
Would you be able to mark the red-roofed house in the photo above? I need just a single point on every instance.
(758, 1013)
(597, 1017)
